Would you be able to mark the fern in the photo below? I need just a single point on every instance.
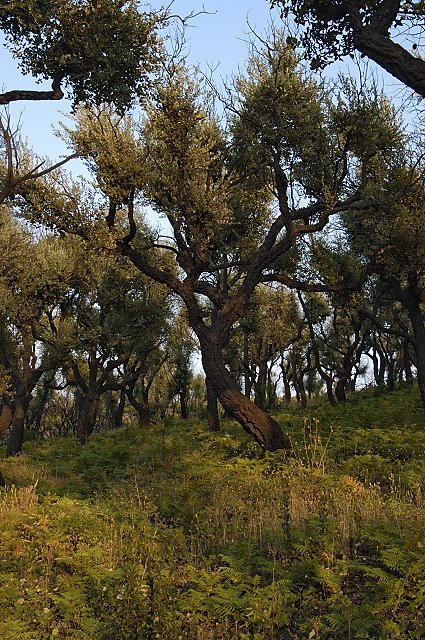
(12, 628)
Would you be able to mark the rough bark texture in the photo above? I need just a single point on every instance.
(391, 57)
(256, 422)
(87, 419)
(212, 407)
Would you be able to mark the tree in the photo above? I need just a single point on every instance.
(118, 323)
(288, 161)
(34, 276)
(330, 30)
(393, 232)
(101, 51)
(270, 324)
(180, 349)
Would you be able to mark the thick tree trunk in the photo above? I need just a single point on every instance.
(212, 407)
(87, 419)
(256, 422)
(183, 405)
(340, 390)
(392, 57)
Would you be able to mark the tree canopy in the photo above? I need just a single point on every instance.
(241, 197)
(386, 31)
(100, 51)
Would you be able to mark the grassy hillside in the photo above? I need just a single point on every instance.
(176, 533)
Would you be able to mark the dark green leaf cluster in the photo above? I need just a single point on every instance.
(104, 51)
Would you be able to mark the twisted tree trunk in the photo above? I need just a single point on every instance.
(257, 423)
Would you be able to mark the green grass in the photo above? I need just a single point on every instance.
(174, 532)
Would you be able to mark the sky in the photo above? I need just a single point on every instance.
(216, 39)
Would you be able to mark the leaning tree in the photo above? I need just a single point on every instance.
(239, 197)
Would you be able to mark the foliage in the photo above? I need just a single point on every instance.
(177, 532)
(104, 51)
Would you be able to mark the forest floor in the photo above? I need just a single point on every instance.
(176, 533)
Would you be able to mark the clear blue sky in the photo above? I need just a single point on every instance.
(217, 39)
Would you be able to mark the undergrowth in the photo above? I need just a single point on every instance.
(177, 533)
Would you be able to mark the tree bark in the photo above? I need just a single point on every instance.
(247, 378)
(392, 57)
(212, 407)
(418, 327)
(23, 396)
(87, 419)
(183, 404)
(16, 438)
(256, 422)
(406, 363)
(119, 412)
(2, 482)
(141, 408)
(6, 416)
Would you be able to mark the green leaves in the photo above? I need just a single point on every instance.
(104, 51)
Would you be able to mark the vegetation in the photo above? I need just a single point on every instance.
(290, 260)
(176, 532)
(388, 32)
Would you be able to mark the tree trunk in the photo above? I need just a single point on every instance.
(183, 404)
(411, 301)
(6, 416)
(16, 439)
(285, 378)
(88, 415)
(22, 397)
(391, 56)
(212, 407)
(418, 327)
(256, 422)
(141, 408)
(406, 363)
(340, 390)
(119, 412)
(2, 482)
(246, 376)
